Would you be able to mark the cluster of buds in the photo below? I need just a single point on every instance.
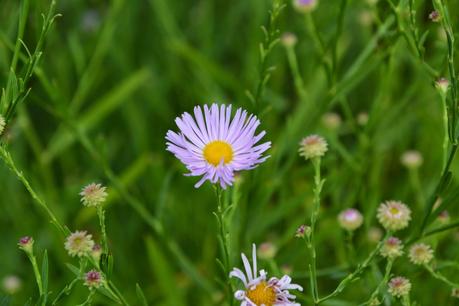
(350, 219)
(312, 147)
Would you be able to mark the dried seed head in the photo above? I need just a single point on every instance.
(394, 215)
(392, 248)
(399, 286)
(313, 146)
(420, 254)
(93, 195)
(79, 244)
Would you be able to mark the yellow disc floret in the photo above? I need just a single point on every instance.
(216, 151)
(262, 294)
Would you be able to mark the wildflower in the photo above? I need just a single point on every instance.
(350, 219)
(442, 85)
(332, 121)
(11, 284)
(435, 16)
(304, 6)
(213, 146)
(289, 40)
(93, 194)
(313, 146)
(2, 125)
(399, 286)
(79, 244)
(267, 250)
(93, 279)
(420, 254)
(394, 215)
(260, 291)
(411, 159)
(375, 234)
(302, 231)
(392, 248)
(26, 244)
(362, 118)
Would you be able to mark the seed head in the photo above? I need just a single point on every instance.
(350, 219)
(289, 40)
(313, 146)
(332, 121)
(392, 248)
(11, 284)
(79, 244)
(93, 279)
(411, 159)
(399, 286)
(267, 250)
(93, 195)
(394, 215)
(420, 254)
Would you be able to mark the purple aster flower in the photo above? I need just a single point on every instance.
(214, 146)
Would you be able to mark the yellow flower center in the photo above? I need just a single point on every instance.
(262, 294)
(394, 210)
(216, 151)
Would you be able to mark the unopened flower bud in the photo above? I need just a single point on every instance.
(350, 219)
(93, 279)
(289, 40)
(305, 6)
(399, 286)
(331, 121)
(392, 248)
(435, 16)
(26, 244)
(11, 284)
(267, 250)
(303, 231)
(411, 159)
(442, 86)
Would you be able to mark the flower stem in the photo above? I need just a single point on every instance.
(440, 277)
(223, 240)
(383, 282)
(354, 275)
(101, 214)
(318, 184)
(36, 272)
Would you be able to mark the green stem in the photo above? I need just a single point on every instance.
(101, 214)
(440, 277)
(293, 62)
(354, 275)
(36, 272)
(318, 184)
(383, 282)
(223, 240)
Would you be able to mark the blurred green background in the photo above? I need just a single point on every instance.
(115, 74)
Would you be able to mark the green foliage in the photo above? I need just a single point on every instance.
(90, 88)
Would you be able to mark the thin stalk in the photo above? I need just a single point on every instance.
(297, 78)
(311, 240)
(383, 282)
(354, 275)
(101, 214)
(440, 277)
(223, 240)
(36, 272)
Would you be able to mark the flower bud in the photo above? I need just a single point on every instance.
(289, 40)
(392, 248)
(305, 6)
(303, 231)
(399, 286)
(350, 219)
(93, 279)
(26, 244)
(267, 250)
